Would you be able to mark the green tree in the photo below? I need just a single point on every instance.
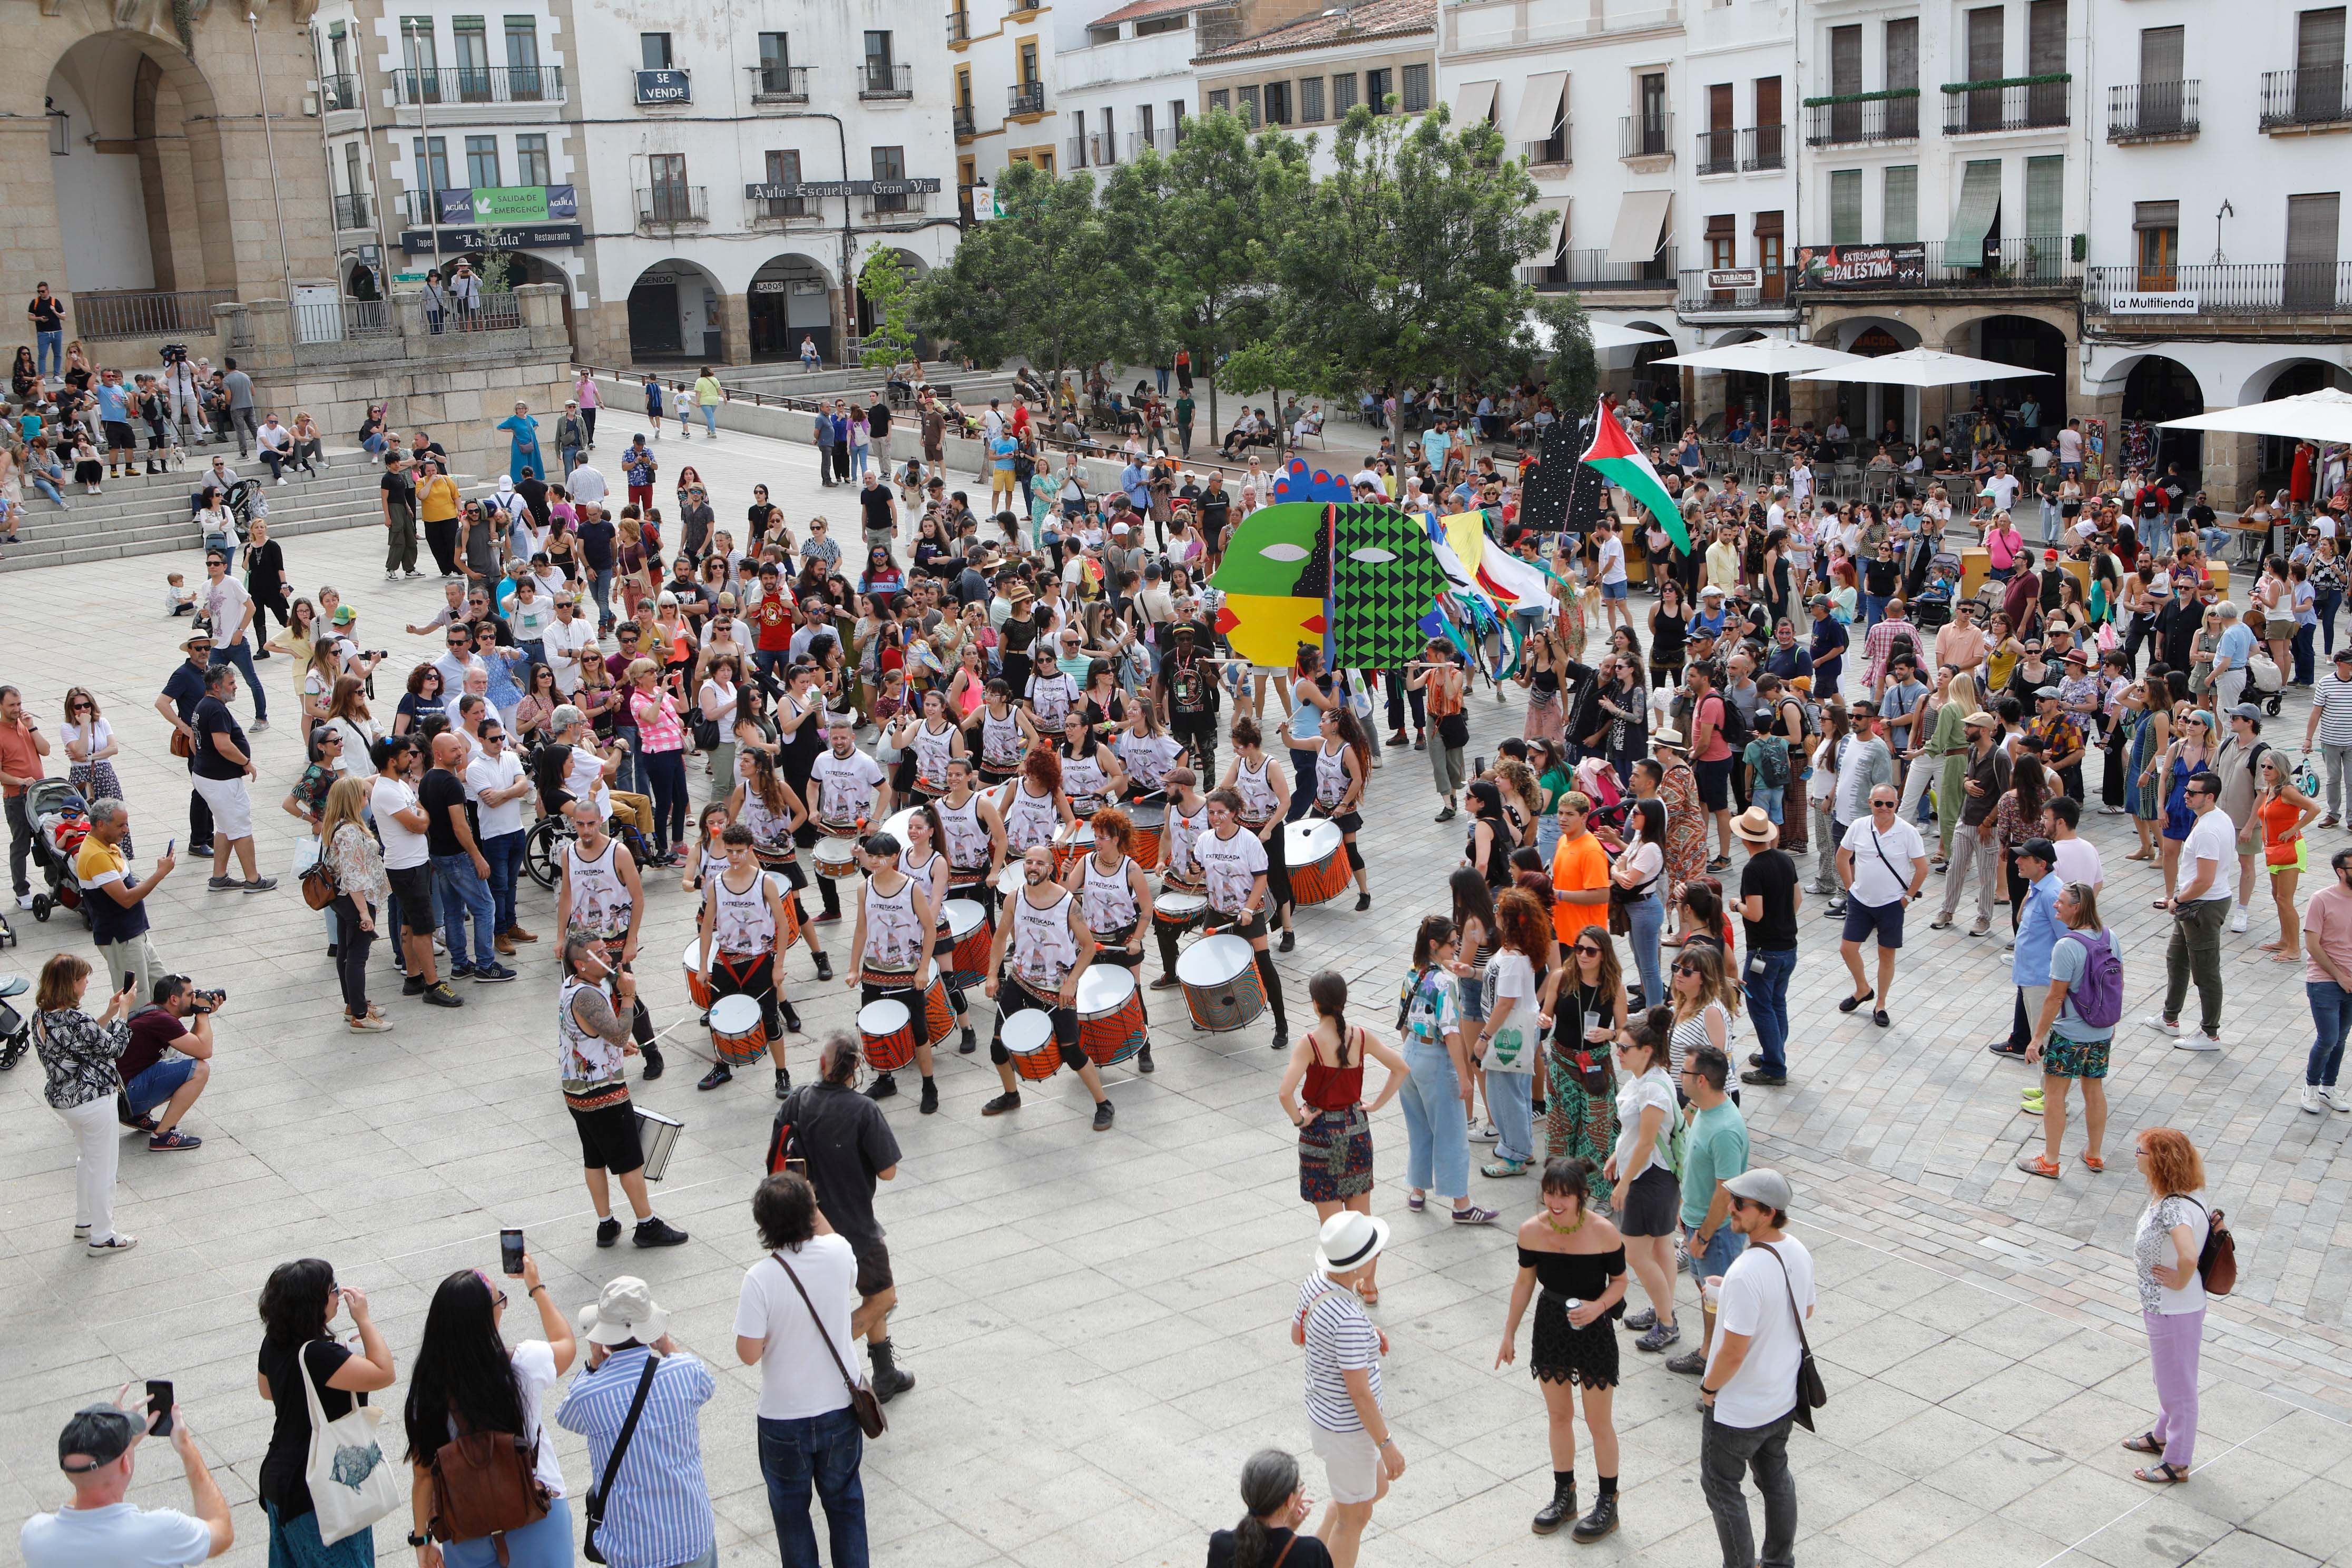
(888, 288)
(1558, 343)
(1038, 282)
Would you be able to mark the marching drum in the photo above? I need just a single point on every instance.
(1029, 1041)
(1076, 847)
(967, 927)
(895, 825)
(1110, 1015)
(656, 1135)
(698, 978)
(1012, 878)
(1221, 984)
(790, 932)
(737, 1029)
(834, 857)
(1318, 861)
(1178, 912)
(888, 1031)
(1143, 843)
(939, 1014)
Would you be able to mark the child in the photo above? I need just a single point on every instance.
(179, 599)
(709, 856)
(1766, 757)
(653, 402)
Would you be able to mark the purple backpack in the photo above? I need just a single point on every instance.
(2098, 996)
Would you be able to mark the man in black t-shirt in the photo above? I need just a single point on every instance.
(596, 536)
(461, 874)
(1769, 893)
(177, 703)
(848, 1147)
(222, 765)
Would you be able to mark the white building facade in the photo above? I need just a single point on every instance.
(1125, 78)
(1006, 104)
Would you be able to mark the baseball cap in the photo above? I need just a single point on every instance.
(103, 1433)
(345, 616)
(1763, 1185)
(2246, 711)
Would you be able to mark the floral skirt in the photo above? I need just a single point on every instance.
(1578, 1124)
(1335, 1156)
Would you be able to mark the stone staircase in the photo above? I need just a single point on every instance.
(147, 515)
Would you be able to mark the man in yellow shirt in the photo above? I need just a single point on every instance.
(437, 503)
(118, 908)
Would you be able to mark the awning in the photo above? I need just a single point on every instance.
(1979, 204)
(1473, 100)
(1541, 105)
(1641, 226)
(1555, 235)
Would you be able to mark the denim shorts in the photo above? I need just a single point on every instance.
(158, 1084)
(1716, 1257)
(1617, 590)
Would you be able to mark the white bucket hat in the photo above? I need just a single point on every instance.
(626, 1311)
(1349, 1240)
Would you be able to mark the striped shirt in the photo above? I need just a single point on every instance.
(1340, 1339)
(660, 1515)
(2333, 698)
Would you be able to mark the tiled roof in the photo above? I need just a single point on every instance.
(1144, 10)
(1367, 19)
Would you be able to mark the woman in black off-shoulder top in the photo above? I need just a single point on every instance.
(1575, 1255)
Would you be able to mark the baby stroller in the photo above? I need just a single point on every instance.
(60, 822)
(16, 1030)
(2265, 682)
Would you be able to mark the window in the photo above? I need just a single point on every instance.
(1769, 255)
(878, 62)
(2045, 37)
(1221, 99)
(964, 89)
(522, 45)
(354, 182)
(1722, 240)
(1984, 43)
(775, 53)
(1845, 207)
(784, 169)
(1310, 99)
(1102, 35)
(1376, 90)
(1028, 64)
(530, 161)
(653, 51)
(2311, 228)
(1846, 59)
(1156, 25)
(1416, 90)
(2157, 228)
(1249, 107)
(1652, 97)
(432, 169)
(473, 57)
(1899, 220)
(1277, 103)
(1176, 117)
(482, 161)
(1343, 94)
(2045, 197)
(1143, 126)
(418, 55)
(672, 201)
(890, 165)
(341, 49)
(1718, 145)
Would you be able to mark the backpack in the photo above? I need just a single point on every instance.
(1738, 727)
(2098, 996)
(484, 1484)
(1771, 761)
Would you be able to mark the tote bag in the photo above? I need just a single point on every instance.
(350, 1485)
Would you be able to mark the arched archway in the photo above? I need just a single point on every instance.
(2027, 342)
(677, 313)
(1866, 410)
(2156, 388)
(2275, 455)
(790, 298)
(1650, 379)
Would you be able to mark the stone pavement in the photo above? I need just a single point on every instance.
(1098, 1322)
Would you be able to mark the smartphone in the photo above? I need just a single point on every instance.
(511, 1251)
(1479, 770)
(170, 845)
(130, 980)
(159, 1408)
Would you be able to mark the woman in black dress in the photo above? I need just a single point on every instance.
(1579, 1259)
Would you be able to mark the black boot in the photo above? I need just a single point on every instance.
(1602, 1519)
(823, 969)
(1562, 1507)
(653, 1060)
(888, 1380)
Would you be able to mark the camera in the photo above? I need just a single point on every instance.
(200, 1003)
(176, 354)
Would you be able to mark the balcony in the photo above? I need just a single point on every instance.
(147, 314)
(1977, 108)
(333, 320)
(2152, 112)
(900, 208)
(1767, 294)
(1160, 140)
(1763, 147)
(1881, 117)
(1102, 149)
(959, 27)
(666, 205)
(2031, 261)
(1074, 152)
(479, 85)
(779, 83)
(1719, 152)
(353, 212)
(2240, 290)
(1589, 271)
(965, 129)
(882, 79)
(1646, 136)
(785, 212)
(1554, 151)
(2303, 100)
(1024, 97)
(339, 92)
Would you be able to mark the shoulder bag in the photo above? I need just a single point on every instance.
(601, 1494)
(350, 1485)
(1810, 1393)
(485, 1484)
(863, 1405)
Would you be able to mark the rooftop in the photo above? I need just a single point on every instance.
(1144, 10)
(1367, 19)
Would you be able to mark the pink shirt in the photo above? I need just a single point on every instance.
(658, 729)
(2327, 924)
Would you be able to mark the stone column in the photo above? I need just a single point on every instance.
(735, 311)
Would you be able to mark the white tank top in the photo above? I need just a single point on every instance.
(601, 904)
(931, 876)
(771, 831)
(1000, 741)
(967, 837)
(708, 866)
(1331, 775)
(1032, 819)
(1084, 781)
(932, 748)
(744, 925)
(1183, 832)
(1043, 948)
(896, 936)
(1110, 901)
(581, 1058)
(1146, 757)
(1051, 697)
(1259, 802)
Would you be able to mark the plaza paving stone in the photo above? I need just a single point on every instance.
(1098, 1323)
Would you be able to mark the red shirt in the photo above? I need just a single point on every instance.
(773, 614)
(17, 758)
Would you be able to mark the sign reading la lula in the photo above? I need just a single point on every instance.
(490, 205)
(513, 237)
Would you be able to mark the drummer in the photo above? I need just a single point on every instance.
(1234, 860)
(848, 790)
(1038, 813)
(1341, 765)
(592, 1045)
(1257, 782)
(1188, 818)
(923, 859)
(1091, 773)
(598, 896)
(1049, 947)
(926, 739)
(890, 953)
(973, 835)
(1000, 734)
(1146, 753)
(1051, 693)
(1115, 899)
(742, 917)
(766, 804)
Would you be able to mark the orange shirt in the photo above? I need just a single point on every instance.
(1580, 865)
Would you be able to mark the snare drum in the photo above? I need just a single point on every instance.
(1076, 847)
(656, 1135)
(1029, 1040)
(790, 932)
(1143, 843)
(967, 927)
(888, 1031)
(1176, 912)
(1317, 859)
(698, 978)
(737, 1030)
(1110, 1015)
(834, 857)
(1221, 984)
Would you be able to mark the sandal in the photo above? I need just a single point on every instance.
(1369, 1293)
(2094, 1163)
(2166, 1474)
(2038, 1165)
(2144, 1443)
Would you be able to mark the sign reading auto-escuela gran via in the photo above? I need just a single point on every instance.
(926, 186)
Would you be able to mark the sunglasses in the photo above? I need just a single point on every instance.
(1587, 947)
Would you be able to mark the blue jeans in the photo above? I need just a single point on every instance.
(823, 1452)
(49, 353)
(46, 485)
(240, 654)
(1648, 919)
(2324, 607)
(1302, 782)
(1766, 983)
(1873, 610)
(665, 776)
(1770, 798)
(1717, 1255)
(504, 853)
(2331, 1010)
(1437, 1134)
(1508, 1097)
(461, 892)
(2304, 635)
(159, 1083)
(599, 588)
(546, 1544)
(295, 1543)
(710, 420)
(1547, 837)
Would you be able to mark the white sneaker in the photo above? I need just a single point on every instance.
(2339, 1098)
(2313, 1101)
(2238, 919)
(2161, 1024)
(24, 901)
(1485, 1134)
(2199, 1041)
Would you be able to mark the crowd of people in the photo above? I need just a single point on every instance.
(998, 765)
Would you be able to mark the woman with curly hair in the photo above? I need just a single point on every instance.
(1581, 1099)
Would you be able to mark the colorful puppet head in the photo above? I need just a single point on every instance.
(1354, 578)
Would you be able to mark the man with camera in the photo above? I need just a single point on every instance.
(95, 1450)
(179, 1020)
(118, 906)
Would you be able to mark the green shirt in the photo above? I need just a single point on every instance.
(1715, 1150)
(1556, 785)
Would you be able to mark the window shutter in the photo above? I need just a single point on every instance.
(1845, 207)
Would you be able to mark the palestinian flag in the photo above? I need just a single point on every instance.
(1613, 453)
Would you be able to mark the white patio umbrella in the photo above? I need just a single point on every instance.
(2322, 415)
(1917, 367)
(1606, 335)
(1767, 357)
